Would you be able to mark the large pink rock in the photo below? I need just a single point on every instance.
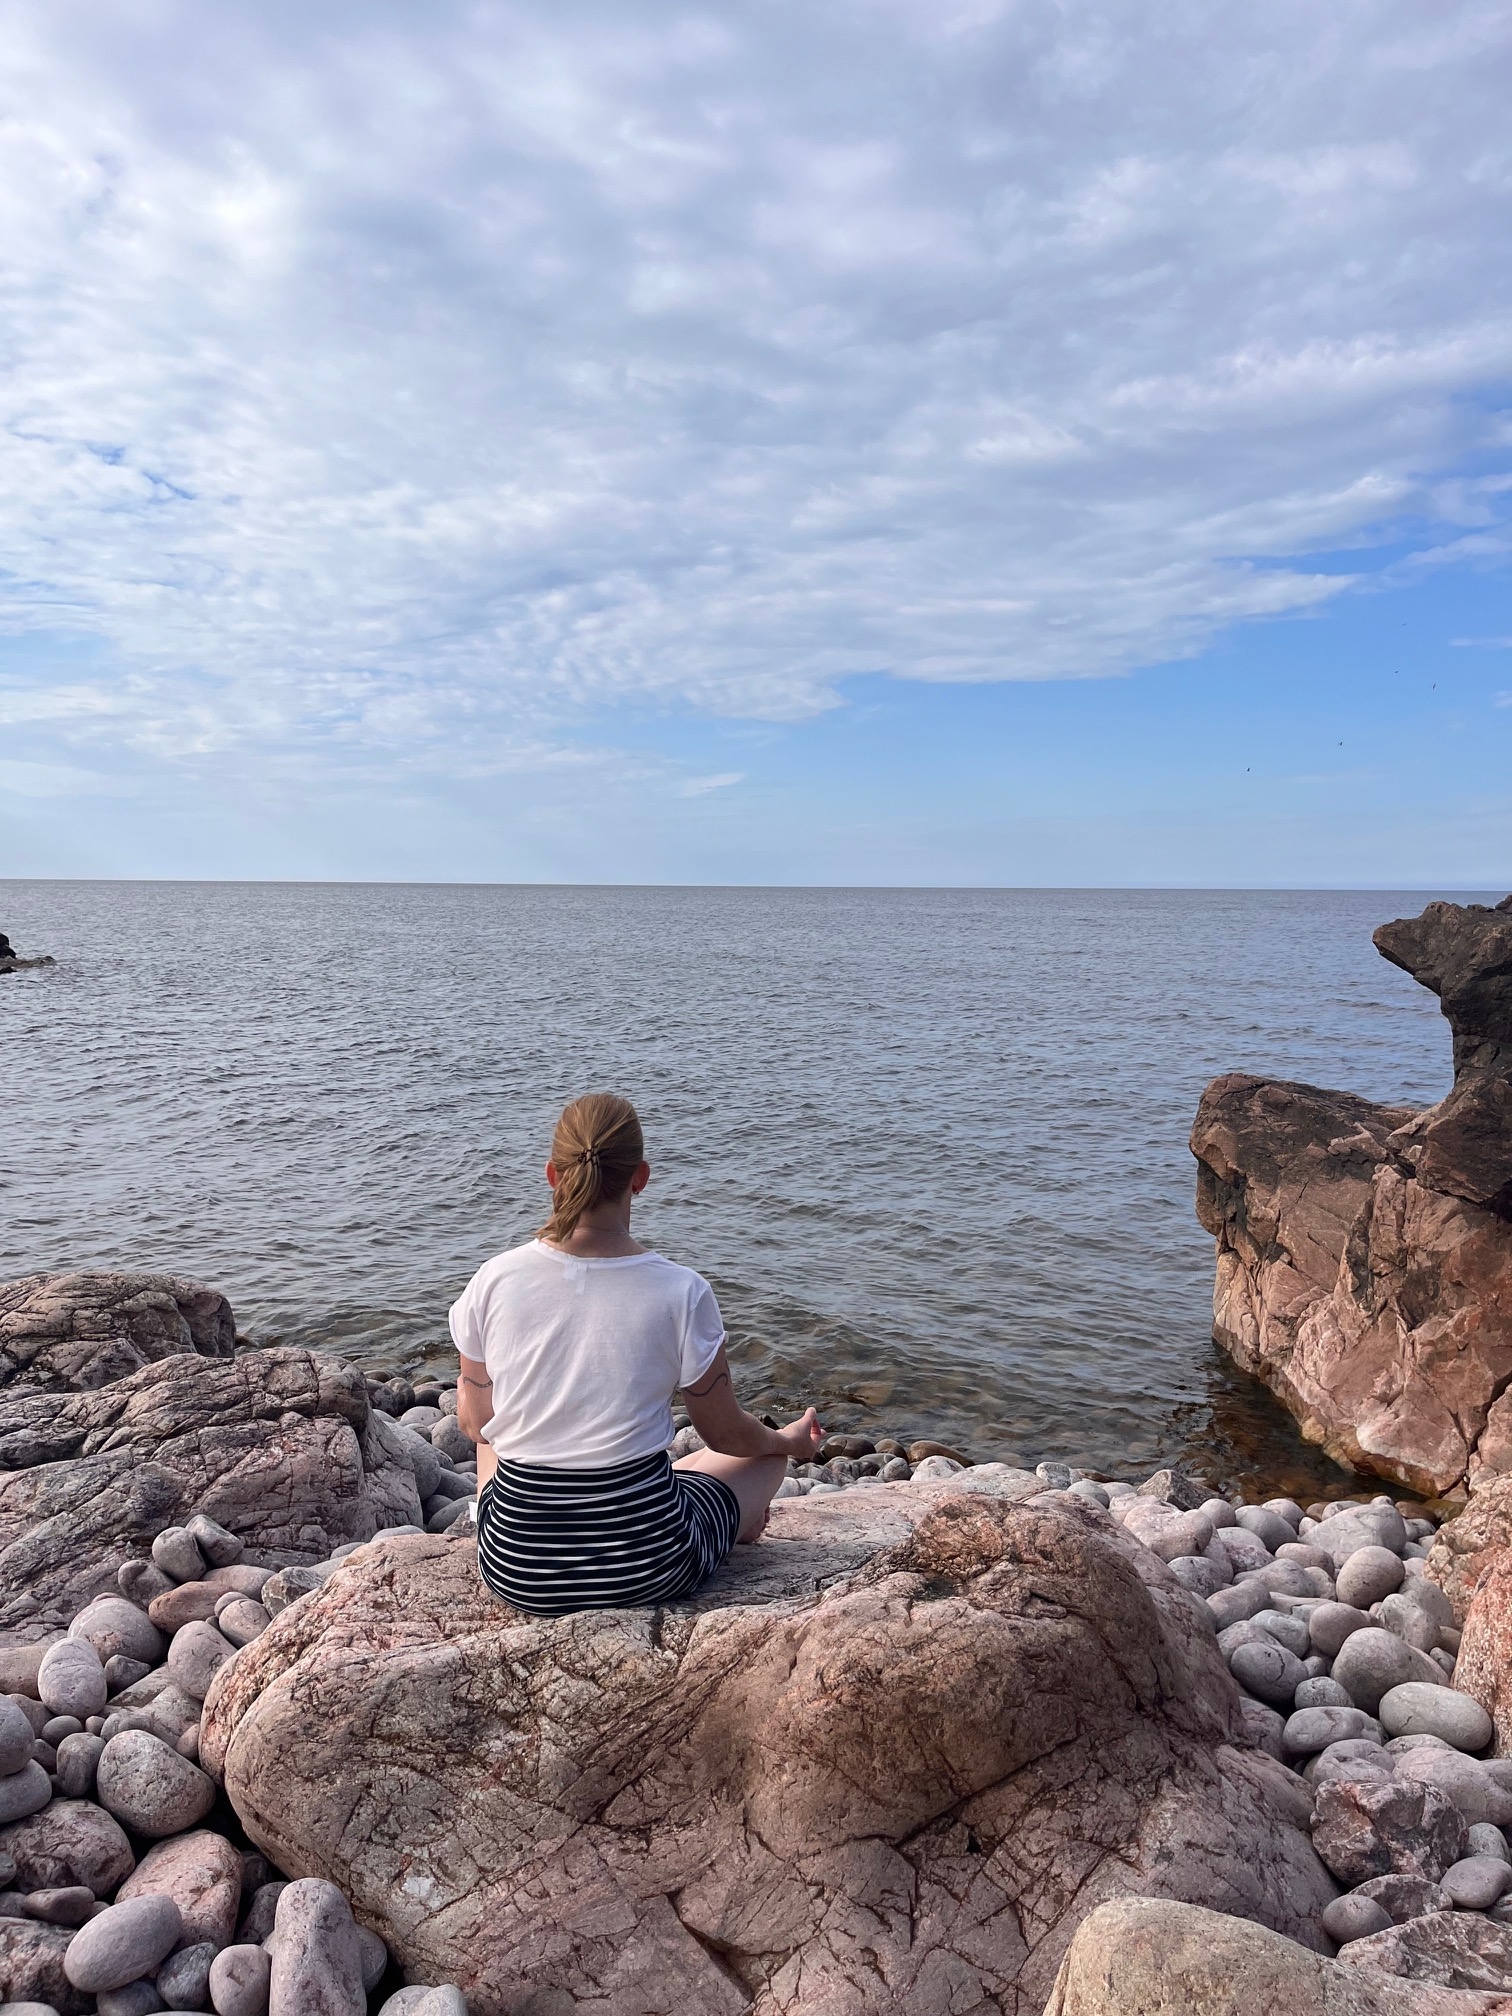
(1364, 1253)
(889, 1759)
(61, 1331)
(202, 1873)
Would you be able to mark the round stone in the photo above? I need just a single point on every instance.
(176, 1552)
(1287, 1629)
(1484, 1839)
(1418, 1709)
(184, 1978)
(1404, 1896)
(1322, 1693)
(25, 1791)
(196, 1655)
(112, 1625)
(123, 1944)
(151, 1788)
(1269, 1528)
(1307, 1557)
(1287, 1509)
(1201, 1576)
(1244, 1549)
(78, 1760)
(137, 1998)
(1217, 1512)
(1311, 1730)
(1269, 1672)
(1329, 1624)
(1409, 1621)
(1476, 1883)
(1371, 1662)
(241, 1621)
(1354, 1917)
(239, 1981)
(1368, 1575)
(220, 1547)
(71, 1679)
(16, 1737)
(1231, 1606)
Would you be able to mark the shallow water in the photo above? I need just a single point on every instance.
(930, 1146)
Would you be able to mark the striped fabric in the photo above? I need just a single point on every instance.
(551, 1541)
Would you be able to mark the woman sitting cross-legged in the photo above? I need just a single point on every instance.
(572, 1348)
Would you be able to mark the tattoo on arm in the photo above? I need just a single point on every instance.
(484, 1385)
(709, 1386)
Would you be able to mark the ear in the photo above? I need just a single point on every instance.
(551, 1174)
(640, 1179)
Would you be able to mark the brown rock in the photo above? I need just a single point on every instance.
(186, 1603)
(1484, 1666)
(918, 1451)
(202, 1873)
(1145, 1957)
(1466, 1546)
(279, 1446)
(1364, 1827)
(71, 1841)
(1364, 1266)
(911, 1738)
(31, 1966)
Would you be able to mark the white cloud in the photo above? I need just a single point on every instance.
(379, 378)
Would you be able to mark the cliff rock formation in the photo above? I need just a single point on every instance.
(1364, 1266)
(888, 1760)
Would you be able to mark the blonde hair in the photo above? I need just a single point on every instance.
(596, 1148)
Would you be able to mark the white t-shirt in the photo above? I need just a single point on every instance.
(585, 1355)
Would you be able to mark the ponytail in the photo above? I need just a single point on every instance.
(596, 1149)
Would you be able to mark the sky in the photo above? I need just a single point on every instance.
(933, 441)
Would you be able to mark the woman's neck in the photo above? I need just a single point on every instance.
(603, 1234)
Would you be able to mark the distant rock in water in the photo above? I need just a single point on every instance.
(1365, 1252)
(11, 960)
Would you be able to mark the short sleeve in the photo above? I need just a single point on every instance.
(464, 1321)
(704, 1335)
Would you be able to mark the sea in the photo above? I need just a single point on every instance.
(929, 1145)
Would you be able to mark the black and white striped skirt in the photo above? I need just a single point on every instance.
(551, 1541)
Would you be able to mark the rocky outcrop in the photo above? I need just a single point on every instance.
(1484, 1665)
(1364, 1265)
(68, 1331)
(281, 1447)
(1142, 1957)
(888, 1760)
(1465, 1547)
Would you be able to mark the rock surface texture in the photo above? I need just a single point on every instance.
(280, 1447)
(61, 1332)
(887, 1760)
(1364, 1266)
(1147, 1958)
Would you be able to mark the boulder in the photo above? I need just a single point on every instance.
(31, 1967)
(1484, 1666)
(1364, 1827)
(150, 1787)
(69, 1332)
(202, 1873)
(1450, 1949)
(902, 1704)
(1465, 1547)
(1143, 1957)
(71, 1841)
(1364, 1253)
(125, 1942)
(281, 1448)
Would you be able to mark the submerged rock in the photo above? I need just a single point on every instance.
(902, 1699)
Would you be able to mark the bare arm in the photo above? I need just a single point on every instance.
(474, 1399)
(726, 1427)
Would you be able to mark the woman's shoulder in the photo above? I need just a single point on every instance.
(515, 1260)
